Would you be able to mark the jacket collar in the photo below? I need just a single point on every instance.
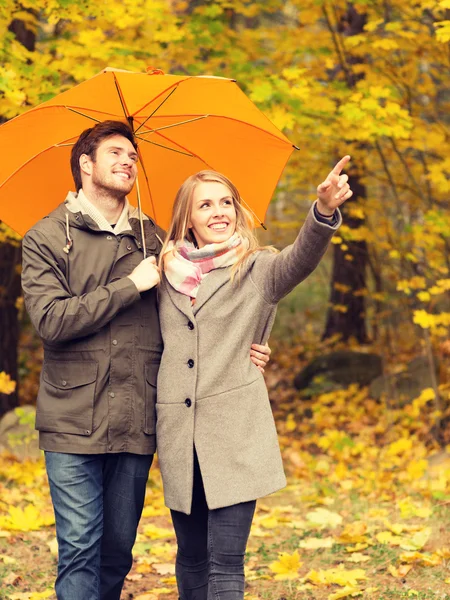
(79, 219)
(79, 203)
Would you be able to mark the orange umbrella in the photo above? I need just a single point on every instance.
(182, 124)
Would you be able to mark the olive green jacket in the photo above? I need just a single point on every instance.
(100, 335)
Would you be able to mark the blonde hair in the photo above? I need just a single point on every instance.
(181, 213)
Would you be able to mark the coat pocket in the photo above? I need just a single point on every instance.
(151, 375)
(65, 402)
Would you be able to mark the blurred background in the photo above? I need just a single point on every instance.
(365, 78)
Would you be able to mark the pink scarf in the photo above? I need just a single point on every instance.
(185, 265)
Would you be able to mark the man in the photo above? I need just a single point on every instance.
(92, 299)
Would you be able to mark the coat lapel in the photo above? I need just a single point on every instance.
(181, 301)
(210, 285)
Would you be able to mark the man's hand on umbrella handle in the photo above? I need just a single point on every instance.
(335, 190)
(260, 355)
(146, 275)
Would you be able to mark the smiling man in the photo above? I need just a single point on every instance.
(92, 299)
(91, 296)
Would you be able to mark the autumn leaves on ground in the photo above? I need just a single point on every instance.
(366, 512)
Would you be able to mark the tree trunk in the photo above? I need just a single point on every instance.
(9, 323)
(349, 276)
(346, 314)
(10, 258)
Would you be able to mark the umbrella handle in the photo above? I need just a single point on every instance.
(141, 220)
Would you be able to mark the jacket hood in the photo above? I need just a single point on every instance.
(71, 211)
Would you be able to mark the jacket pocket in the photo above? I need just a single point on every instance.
(151, 375)
(66, 397)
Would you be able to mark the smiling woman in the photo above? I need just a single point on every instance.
(217, 442)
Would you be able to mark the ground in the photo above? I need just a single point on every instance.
(366, 512)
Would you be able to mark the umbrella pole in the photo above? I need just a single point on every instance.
(141, 221)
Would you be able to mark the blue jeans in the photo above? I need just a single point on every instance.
(98, 500)
(211, 547)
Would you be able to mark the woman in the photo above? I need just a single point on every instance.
(217, 442)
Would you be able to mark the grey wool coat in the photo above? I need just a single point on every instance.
(210, 394)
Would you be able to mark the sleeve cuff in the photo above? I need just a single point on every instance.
(332, 220)
(127, 290)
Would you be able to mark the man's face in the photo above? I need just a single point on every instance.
(115, 166)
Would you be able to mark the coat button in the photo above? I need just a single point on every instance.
(190, 363)
(114, 342)
(112, 395)
(109, 237)
(63, 382)
(188, 402)
(191, 325)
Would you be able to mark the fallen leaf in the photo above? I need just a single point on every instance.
(417, 541)
(53, 546)
(164, 568)
(134, 576)
(157, 533)
(357, 557)
(345, 593)
(399, 572)
(8, 560)
(324, 518)
(315, 543)
(287, 566)
(337, 575)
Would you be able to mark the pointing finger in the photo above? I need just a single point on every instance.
(340, 165)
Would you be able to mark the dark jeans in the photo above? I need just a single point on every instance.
(98, 500)
(211, 547)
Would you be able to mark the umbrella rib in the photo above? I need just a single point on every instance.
(169, 126)
(165, 147)
(123, 103)
(82, 114)
(264, 131)
(157, 108)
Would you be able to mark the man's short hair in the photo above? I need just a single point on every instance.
(89, 141)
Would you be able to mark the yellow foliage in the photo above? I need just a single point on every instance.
(338, 575)
(315, 543)
(345, 593)
(322, 517)
(7, 386)
(157, 533)
(28, 519)
(287, 566)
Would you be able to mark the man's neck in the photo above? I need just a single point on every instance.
(110, 206)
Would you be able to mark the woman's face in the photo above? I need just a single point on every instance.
(213, 216)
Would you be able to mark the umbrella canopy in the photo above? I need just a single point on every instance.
(183, 125)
